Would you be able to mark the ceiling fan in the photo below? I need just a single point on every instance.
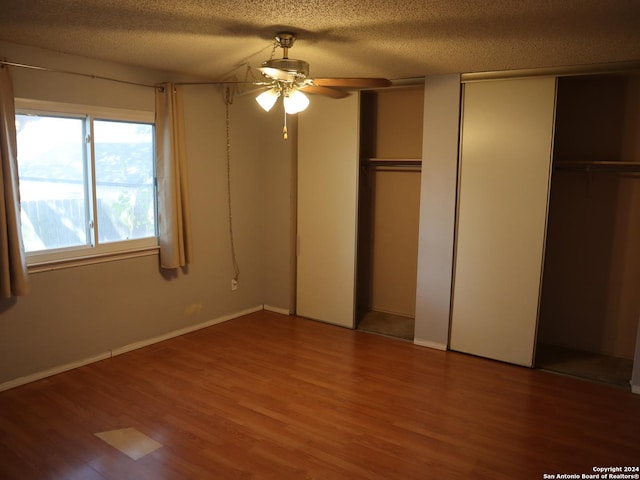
(289, 78)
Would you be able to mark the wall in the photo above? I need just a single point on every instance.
(278, 159)
(635, 375)
(399, 123)
(78, 314)
(396, 202)
(437, 210)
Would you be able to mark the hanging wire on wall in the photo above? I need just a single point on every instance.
(228, 100)
(79, 74)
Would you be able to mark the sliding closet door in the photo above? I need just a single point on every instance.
(328, 139)
(503, 194)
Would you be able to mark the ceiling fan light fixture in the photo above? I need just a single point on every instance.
(268, 99)
(285, 77)
(295, 101)
(285, 68)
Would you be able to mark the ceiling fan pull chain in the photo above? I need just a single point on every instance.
(285, 133)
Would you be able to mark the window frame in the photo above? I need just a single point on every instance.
(94, 251)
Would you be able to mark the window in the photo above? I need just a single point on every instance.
(87, 180)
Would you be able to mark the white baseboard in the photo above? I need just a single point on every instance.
(120, 350)
(16, 382)
(635, 389)
(283, 311)
(182, 331)
(429, 344)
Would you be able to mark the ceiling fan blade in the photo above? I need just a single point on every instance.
(277, 74)
(225, 82)
(352, 82)
(325, 91)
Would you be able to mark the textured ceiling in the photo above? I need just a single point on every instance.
(393, 39)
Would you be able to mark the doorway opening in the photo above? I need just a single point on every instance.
(590, 304)
(388, 210)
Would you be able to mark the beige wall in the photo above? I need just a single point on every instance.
(79, 313)
(592, 268)
(397, 202)
(437, 209)
(394, 241)
(399, 123)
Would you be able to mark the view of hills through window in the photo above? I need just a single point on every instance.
(70, 200)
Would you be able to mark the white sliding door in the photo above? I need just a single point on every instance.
(328, 140)
(503, 195)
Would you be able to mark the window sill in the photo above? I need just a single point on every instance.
(47, 266)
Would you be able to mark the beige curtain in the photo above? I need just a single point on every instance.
(13, 264)
(174, 220)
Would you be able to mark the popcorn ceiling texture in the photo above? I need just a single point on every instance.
(217, 38)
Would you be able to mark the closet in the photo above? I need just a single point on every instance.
(590, 302)
(547, 269)
(388, 210)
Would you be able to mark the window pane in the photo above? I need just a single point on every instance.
(125, 188)
(52, 191)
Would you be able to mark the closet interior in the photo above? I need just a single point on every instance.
(388, 210)
(590, 301)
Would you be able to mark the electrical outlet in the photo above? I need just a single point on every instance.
(234, 284)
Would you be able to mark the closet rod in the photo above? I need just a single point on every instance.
(599, 166)
(397, 168)
(68, 72)
(399, 162)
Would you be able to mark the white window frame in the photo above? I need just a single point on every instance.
(94, 252)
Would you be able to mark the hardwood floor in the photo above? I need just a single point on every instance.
(276, 397)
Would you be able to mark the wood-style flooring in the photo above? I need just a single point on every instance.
(277, 397)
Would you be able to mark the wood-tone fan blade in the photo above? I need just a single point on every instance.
(352, 82)
(326, 91)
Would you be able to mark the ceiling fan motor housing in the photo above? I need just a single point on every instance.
(299, 68)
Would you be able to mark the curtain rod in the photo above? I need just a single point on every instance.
(68, 72)
(110, 79)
